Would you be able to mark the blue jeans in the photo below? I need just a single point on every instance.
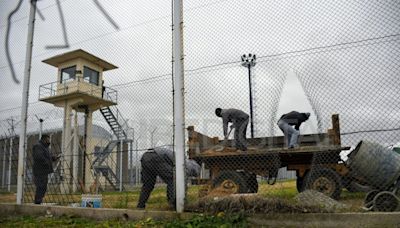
(290, 133)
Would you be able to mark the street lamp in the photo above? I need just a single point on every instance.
(249, 61)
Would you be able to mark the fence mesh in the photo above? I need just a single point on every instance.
(322, 58)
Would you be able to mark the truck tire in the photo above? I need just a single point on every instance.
(324, 180)
(230, 179)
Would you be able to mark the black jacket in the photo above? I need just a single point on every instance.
(42, 159)
(294, 118)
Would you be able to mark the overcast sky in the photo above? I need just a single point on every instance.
(313, 56)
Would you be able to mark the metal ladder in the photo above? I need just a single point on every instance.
(116, 122)
(112, 120)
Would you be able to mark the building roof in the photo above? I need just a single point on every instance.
(79, 53)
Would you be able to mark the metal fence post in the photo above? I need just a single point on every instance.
(25, 99)
(3, 179)
(179, 128)
(120, 163)
(9, 164)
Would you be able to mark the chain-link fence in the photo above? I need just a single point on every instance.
(336, 63)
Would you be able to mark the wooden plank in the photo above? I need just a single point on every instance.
(229, 151)
(336, 129)
(199, 142)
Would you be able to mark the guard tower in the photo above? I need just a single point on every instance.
(79, 88)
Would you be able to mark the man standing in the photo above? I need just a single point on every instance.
(42, 166)
(239, 120)
(160, 162)
(288, 120)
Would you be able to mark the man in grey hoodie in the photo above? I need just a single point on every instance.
(239, 120)
(288, 120)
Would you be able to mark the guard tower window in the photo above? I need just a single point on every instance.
(68, 74)
(90, 75)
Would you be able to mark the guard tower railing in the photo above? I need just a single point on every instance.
(70, 86)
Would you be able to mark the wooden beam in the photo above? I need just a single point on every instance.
(336, 129)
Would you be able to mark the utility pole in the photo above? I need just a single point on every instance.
(249, 61)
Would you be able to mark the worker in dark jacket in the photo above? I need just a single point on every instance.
(239, 120)
(160, 162)
(288, 120)
(42, 166)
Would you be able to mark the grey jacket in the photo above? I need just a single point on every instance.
(192, 168)
(234, 116)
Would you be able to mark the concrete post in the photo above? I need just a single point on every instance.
(89, 150)
(75, 156)
(66, 189)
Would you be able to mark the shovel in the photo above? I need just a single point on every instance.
(224, 143)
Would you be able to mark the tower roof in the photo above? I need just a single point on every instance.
(79, 53)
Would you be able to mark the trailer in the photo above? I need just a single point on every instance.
(317, 161)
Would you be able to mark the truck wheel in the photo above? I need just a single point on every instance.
(385, 201)
(232, 181)
(324, 180)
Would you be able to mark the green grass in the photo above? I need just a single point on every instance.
(219, 220)
(158, 199)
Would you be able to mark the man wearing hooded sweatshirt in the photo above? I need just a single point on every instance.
(42, 166)
(288, 120)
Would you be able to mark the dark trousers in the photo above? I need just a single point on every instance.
(41, 187)
(240, 134)
(152, 166)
